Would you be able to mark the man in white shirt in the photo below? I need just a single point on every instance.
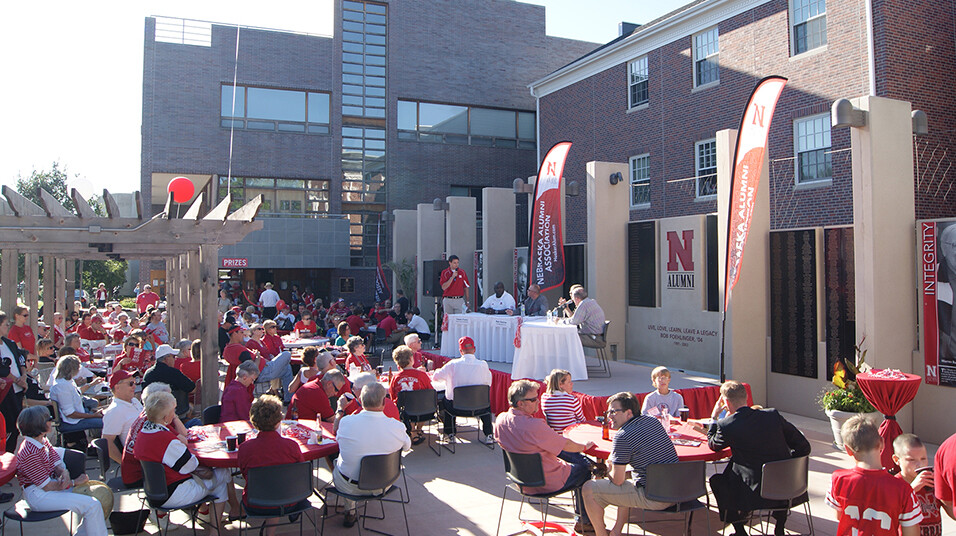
(499, 303)
(462, 372)
(417, 324)
(367, 433)
(121, 413)
(268, 300)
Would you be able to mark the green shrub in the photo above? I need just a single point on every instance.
(848, 399)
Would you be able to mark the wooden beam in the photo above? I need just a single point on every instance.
(9, 279)
(83, 209)
(154, 231)
(138, 197)
(172, 305)
(31, 288)
(184, 316)
(193, 213)
(49, 289)
(208, 307)
(112, 209)
(248, 211)
(62, 304)
(220, 211)
(51, 206)
(169, 205)
(194, 293)
(20, 205)
(70, 286)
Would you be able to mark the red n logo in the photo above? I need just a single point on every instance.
(678, 250)
(551, 171)
(759, 112)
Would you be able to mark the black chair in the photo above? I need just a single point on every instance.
(75, 462)
(103, 455)
(471, 401)
(681, 483)
(379, 472)
(154, 484)
(286, 488)
(600, 347)
(377, 340)
(420, 406)
(525, 470)
(784, 482)
(212, 414)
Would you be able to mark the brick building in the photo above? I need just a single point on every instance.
(406, 102)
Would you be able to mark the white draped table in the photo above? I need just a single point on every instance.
(494, 335)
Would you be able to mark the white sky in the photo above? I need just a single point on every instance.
(73, 74)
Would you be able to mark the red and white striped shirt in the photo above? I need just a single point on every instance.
(561, 410)
(36, 461)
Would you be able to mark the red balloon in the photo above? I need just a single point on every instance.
(280, 305)
(182, 189)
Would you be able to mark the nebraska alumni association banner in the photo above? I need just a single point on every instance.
(937, 261)
(547, 244)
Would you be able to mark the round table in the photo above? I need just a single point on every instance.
(211, 451)
(291, 342)
(683, 432)
(888, 394)
(8, 467)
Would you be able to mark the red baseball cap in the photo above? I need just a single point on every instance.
(119, 376)
(234, 329)
(465, 342)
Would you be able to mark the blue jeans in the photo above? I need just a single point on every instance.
(278, 368)
(580, 473)
(84, 424)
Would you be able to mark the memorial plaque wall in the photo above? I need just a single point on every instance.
(642, 263)
(793, 303)
(840, 312)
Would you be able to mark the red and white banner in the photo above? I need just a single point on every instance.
(547, 245)
(748, 161)
(928, 288)
(937, 262)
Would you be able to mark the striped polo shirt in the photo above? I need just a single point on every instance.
(642, 441)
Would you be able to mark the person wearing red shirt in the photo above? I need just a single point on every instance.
(256, 343)
(408, 379)
(231, 353)
(350, 405)
(393, 333)
(130, 359)
(356, 358)
(58, 332)
(94, 330)
(356, 324)
(306, 328)
(454, 283)
(146, 298)
(20, 331)
(413, 341)
(193, 367)
(236, 397)
(268, 448)
(272, 340)
(311, 401)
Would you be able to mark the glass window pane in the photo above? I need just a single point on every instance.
(526, 125)
(227, 104)
(260, 183)
(375, 81)
(352, 79)
(375, 49)
(375, 133)
(351, 26)
(378, 19)
(497, 123)
(375, 39)
(377, 71)
(352, 47)
(375, 91)
(354, 37)
(318, 129)
(354, 100)
(352, 15)
(233, 123)
(375, 8)
(291, 127)
(260, 125)
(407, 115)
(354, 68)
(441, 118)
(374, 60)
(277, 104)
(374, 101)
(375, 28)
(319, 108)
(353, 58)
(290, 183)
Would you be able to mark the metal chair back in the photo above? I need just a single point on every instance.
(212, 414)
(524, 469)
(102, 454)
(418, 403)
(154, 483)
(473, 398)
(676, 482)
(75, 462)
(279, 485)
(785, 480)
(380, 471)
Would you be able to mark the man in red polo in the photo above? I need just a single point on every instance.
(146, 298)
(454, 285)
(231, 352)
(311, 401)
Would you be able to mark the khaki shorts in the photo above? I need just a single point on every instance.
(627, 494)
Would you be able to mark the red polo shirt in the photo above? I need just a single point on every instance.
(24, 337)
(355, 323)
(304, 328)
(457, 288)
(388, 325)
(145, 299)
(359, 361)
(86, 332)
(410, 379)
(311, 402)
(273, 344)
(231, 354)
(268, 448)
(391, 410)
(236, 402)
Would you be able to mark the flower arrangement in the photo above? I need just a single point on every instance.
(847, 395)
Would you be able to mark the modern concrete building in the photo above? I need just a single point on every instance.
(406, 102)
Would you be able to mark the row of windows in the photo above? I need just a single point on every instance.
(286, 196)
(465, 125)
(813, 161)
(364, 39)
(282, 110)
(808, 30)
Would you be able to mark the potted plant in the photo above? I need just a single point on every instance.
(846, 399)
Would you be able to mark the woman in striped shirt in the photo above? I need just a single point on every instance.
(560, 407)
(46, 482)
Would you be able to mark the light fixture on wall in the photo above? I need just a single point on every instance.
(920, 123)
(844, 114)
(521, 187)
(439, 204)
(387, 216)
(573, 189)
(616, 177)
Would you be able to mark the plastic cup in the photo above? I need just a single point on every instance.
(231, 443)
(240, 438)
(684, 414)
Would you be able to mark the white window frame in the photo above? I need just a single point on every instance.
(823, 138)
(714, 56)
(634, 181)
(637, 68)
(697, 168)
(794, 23)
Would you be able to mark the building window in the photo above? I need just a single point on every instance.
(274, 110)
(706, 55)
(706, 152)
(811, 137)
(364, 30)
(809, 22)
(465, 125)
(640, 167)
(637, 82)
(302, 197)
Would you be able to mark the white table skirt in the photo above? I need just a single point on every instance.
(494, 336)
(302, 343)
(546, 346)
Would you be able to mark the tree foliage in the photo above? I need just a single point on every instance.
(110, 272)
(53, 181)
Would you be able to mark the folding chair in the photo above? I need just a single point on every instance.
(525, 470)
(471, 401)
(681, 483)
(784, 481)
(600, 347)
(75, 462)
(154, 484)
(103, 455)
(420, 406)
(285, 488)
(212, 414)
(379, 472)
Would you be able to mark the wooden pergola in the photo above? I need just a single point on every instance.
(189, 246)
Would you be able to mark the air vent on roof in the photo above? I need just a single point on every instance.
(183, 32)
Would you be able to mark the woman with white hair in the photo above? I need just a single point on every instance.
(186, 481)
(349, 403)
(67, 396)
(237, 396)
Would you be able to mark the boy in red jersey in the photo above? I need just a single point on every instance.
(867, 499)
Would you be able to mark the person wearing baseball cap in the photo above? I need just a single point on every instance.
(462, 372)
(232, 350)
(165, 371)
(121, 413)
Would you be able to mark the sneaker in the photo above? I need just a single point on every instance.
(6, 497)
(489, 440)
(350, 519)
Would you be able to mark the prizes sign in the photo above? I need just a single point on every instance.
(235, 263)
(547, 244)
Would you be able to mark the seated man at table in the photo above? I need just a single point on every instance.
(519, 432)
(351, 403)
(755, 437)
(588, 317)
(164, 370)
(417, 324)
(409, 378)
(640, 441)
(311, 401)
(236, 397)
(462, 372)
(367, 433)
(499, 303)
(267, 448)
(536, 304)
(414, 341)
(122, 411)
(389, 326)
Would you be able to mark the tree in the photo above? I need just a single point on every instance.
(112, 273)
(53, 181)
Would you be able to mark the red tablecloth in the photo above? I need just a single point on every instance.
(591, 431)
(8, 467)
(888, 396)
(212, 450)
